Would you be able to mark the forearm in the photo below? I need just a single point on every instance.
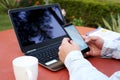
(80, 69)
(111, 49)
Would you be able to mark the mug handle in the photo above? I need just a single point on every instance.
(29, 74)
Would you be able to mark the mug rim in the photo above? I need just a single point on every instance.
(29, 60)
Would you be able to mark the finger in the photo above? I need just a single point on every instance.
(73, 43)
(91, 38)
(84, 37)
(65, 41)
(58, 53)
(60, 57)
(60, 47)
(87, 53)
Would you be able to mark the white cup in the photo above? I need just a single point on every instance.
(25, 68)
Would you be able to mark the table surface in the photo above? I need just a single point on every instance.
(9, 49)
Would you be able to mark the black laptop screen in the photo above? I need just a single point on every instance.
(36, 25)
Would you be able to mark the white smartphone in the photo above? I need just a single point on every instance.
(76, 36)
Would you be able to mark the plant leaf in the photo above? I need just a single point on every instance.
(107, 24)
(4, 6)
(114, 23)
(118, 21)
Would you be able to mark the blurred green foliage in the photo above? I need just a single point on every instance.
(91, 11)
(77, 21)
(86, 12)
(5, 5)
(114, 23)
(8, 4)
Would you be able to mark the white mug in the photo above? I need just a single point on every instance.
(25, 68)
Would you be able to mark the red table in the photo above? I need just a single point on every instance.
(9, 49)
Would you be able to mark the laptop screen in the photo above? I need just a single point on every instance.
(37, 24)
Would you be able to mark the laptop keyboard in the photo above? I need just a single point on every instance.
(47, 54)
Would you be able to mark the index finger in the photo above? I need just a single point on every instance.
(65, 40)
(91, 38)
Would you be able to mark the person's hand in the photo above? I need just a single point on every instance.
(95, 43)
(66, 46)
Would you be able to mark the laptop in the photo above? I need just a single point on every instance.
(39, 32)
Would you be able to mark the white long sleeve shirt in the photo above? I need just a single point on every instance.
(81, 69)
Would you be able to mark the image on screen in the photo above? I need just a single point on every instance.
(75, 36)
(38, 25)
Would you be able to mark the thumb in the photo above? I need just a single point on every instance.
(90, 39)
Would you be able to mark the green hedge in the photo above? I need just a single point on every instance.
(91, 11)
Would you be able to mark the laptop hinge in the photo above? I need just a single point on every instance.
(31, 50)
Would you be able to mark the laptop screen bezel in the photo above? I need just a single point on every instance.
(40, 45)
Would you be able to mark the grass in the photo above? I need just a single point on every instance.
(5, 22)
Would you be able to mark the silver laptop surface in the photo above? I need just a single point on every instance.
(39, 32)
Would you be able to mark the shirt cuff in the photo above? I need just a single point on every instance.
(108, 48)
(72, 56)
(111, 49)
